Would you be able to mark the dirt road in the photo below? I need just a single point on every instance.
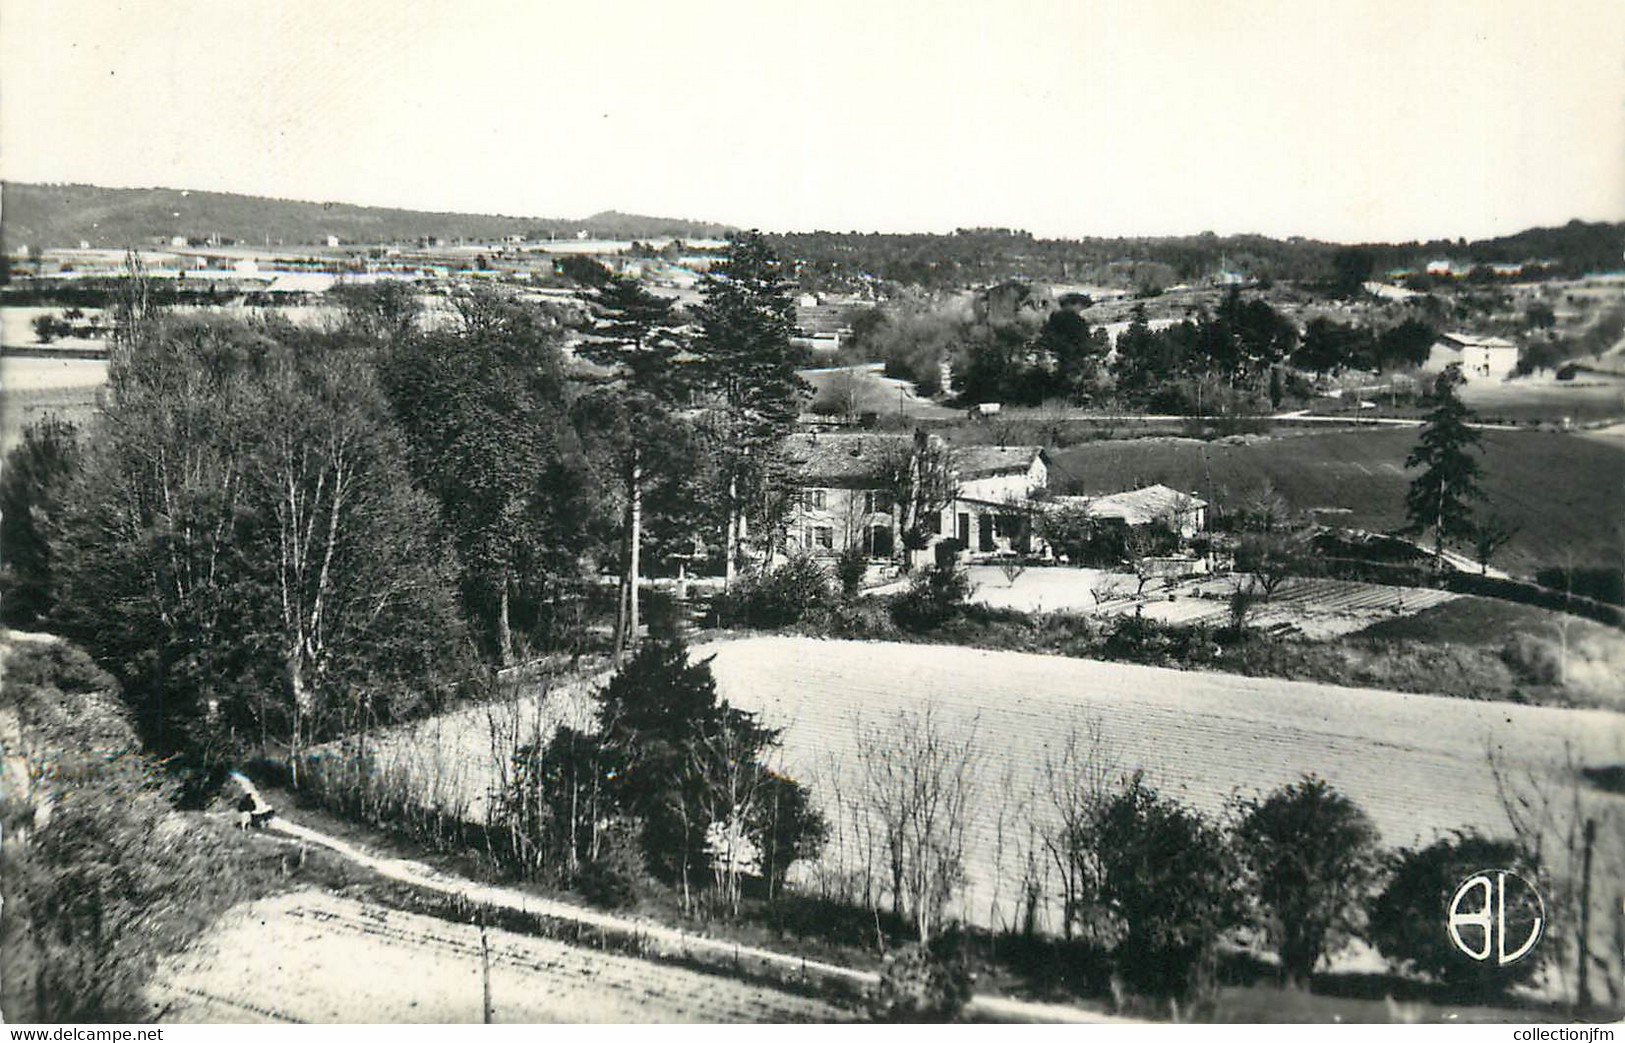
(320, 958)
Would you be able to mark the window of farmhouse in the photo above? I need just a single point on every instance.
(936, 523)
(877, 502)
(814, 499)
(824, 536)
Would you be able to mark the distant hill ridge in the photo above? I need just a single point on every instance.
(66, 215)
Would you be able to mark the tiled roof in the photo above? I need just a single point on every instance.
(1470, 340)
(857, 458)
(842, 459)
(1137, 506)
(979, 461)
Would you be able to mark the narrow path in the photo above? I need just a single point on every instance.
(659, 937)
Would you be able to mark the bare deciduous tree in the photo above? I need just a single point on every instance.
(920, 781)
(1570, 833)
(1079, 776)
(921, 480)
(1489, 536)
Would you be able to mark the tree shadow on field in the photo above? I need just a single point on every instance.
(1250, 992)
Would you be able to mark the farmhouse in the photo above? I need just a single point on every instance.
(846, 486)
(842, 496)
(993, 512)
(1482, 358)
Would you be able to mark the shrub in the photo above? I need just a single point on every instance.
(1169, 878)
(851, 565)
(1310, 856)
(868, 618)
(47, 328)
(1139, 640)
(798, 591)
(610, 880)
(933, 598)
(1407, 921)
(1531, 594)
(685, 766)
(1533, 659)
(917, 985)
(1240, 607)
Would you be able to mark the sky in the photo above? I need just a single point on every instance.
(1358, 120)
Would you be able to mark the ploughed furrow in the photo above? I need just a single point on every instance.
(322, 958)
(1417, 764)
(201, 1007)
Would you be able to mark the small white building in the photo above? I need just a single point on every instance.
(1480, 358)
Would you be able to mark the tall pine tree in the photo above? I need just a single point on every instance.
(633, 336)
(1440, 498)
(746, 319)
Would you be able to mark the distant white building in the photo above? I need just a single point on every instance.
(1389, 292)
(1480, 358)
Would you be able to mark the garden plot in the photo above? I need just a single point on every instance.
(1317, 608)
(313, 957)
(1418, 764)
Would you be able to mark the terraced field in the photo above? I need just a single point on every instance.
(1416, 763)
(320, 958)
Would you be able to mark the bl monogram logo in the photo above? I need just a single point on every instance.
(1496, 915)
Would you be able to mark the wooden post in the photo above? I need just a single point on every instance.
(485, 968)
(1582, 994)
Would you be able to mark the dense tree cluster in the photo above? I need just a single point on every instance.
(276, 535)
(1218, 362)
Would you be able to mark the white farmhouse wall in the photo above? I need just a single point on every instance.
(1016, 485)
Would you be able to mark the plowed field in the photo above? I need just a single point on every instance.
(1417, 764)
(319, 958)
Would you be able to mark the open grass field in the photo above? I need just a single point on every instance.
(1565, 492)
(320, 958)
(1417, 764)
(34, 388)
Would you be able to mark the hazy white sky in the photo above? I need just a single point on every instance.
(1387, 119)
